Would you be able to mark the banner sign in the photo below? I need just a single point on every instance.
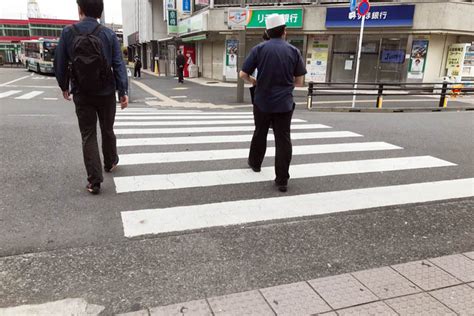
(186, 6)
(393, 56)
(196, 23)
(257, 18)
(379, 16)
(172, 21)
(237, 18)
(416, 67)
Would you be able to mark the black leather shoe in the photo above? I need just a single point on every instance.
(255, 169)
(93, 188)
(281, 187)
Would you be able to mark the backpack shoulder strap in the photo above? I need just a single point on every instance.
(96, 30)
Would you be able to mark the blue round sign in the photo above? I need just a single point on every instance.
(363, 8)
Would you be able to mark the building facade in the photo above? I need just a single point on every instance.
(12, 32)
(404, 41)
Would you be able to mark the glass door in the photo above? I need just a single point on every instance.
(369, 59)
(392, 59)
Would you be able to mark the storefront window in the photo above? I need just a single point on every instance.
(382, 58)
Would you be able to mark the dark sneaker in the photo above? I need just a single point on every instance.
(93, 188)
(112, 168)
(255, 169)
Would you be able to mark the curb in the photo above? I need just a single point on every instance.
(394, 110)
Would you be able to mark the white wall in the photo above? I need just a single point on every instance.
(436, 57)
(129, 19)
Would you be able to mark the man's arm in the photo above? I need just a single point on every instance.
(299, 81)
(61, 66)
(120, 72)
(246, 77)
(300, 70)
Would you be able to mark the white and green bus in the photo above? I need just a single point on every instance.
(38, 55)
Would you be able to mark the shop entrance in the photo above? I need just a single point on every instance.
(382, 59)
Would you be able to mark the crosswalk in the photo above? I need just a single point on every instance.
(148, 134)
(26, 95)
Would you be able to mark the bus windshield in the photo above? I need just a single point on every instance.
(48, 49)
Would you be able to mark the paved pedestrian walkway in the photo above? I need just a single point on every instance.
(438, 286)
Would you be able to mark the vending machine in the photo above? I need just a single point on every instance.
(189, 52)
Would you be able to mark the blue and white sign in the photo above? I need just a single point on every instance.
(353, 5)
(379, 16)
(186, 6)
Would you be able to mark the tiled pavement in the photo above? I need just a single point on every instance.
(438, 286)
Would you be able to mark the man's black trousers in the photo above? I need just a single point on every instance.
(180, 74)
(280, 123)
(137, 73)
(88, 109)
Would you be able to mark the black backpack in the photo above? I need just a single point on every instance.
(90, 70)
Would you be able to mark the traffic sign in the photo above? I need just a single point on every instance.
(363, 8)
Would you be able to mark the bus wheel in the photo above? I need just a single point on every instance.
(38, 69)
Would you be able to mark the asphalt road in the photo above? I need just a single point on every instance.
(58, 241)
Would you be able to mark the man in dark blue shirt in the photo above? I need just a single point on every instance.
(280, 68)
(100, 103)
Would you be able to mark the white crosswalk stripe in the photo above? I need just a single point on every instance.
(29, 95)
(181, 218)
(190, 117)
(195, 123)
(223, 177)
(8, 93)
(224, 128)
(223, 154)
(212, 129)
(222, 139)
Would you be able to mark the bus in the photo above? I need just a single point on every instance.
(38, 55)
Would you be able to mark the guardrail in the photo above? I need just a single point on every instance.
(381, 89)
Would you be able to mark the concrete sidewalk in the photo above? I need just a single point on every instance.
(206, 93)
(438, 286)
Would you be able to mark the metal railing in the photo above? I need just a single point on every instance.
(382, 89)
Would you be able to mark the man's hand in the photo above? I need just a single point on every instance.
(124, 101)
(67, 95)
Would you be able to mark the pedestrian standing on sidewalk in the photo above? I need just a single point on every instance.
(180, 63)
(137, 68)
(280, 68)
(97, 71)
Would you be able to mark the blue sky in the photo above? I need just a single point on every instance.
(60, 9)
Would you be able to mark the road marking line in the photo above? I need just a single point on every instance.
(215, 139)
(209, 155)
(179, 97)
(190, 117)
(29, 86)
(224, 177)
(190, 123)
(29, 95)
(173, 219)
(180, 88)
(18, 79)
(153, 111)
(9, 93)
(211, 129)
(50, 99)
(33, 115)
(154, 93)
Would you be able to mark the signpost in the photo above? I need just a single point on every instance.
(363, 8)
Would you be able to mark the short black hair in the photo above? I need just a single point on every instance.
(265, 36)
(91, 8)
(276, 32)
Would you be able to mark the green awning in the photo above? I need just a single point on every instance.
(195, 38)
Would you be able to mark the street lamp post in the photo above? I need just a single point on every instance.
(240, 61)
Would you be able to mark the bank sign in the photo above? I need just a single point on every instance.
(379, 16)
(256, 18)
